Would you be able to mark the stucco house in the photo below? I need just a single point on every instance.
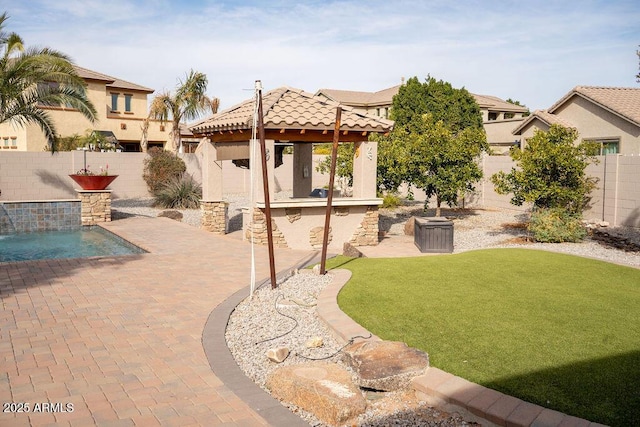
(608, 115)
(498, 116)
(121, 105)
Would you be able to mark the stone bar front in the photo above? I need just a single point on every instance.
(299, 223)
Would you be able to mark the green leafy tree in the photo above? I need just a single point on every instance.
(436, 142)
(457, 108)
(443, 163)
(34, 77)
(550, 171)
(188, 103)
(412, 153)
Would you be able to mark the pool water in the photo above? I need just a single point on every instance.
(75, 243)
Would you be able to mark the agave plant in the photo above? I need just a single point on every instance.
(181, 192)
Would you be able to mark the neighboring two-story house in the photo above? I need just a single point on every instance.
(499, 117)
(608, 115)
(121, 105)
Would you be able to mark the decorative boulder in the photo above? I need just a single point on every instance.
(409, 226)
(325, 390)
(351, 251)
(385, 365)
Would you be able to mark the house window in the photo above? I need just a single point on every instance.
(127, 103)
(114, 102)
(607, 146)
(6, 141)
(493, 116)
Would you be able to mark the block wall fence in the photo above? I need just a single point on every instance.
(44, 176)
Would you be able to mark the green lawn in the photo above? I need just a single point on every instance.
(556, 330)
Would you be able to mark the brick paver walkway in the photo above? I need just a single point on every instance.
(119, 339)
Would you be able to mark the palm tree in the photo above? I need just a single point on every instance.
(34, 77)
(188, 103)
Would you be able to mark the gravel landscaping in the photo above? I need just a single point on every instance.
(286, 317)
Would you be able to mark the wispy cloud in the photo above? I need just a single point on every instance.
(532, 51)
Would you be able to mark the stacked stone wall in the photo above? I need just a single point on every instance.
(95, 207)
(367, 232)
(214, 216)
(260, 235)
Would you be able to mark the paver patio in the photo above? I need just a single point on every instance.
(120, 338)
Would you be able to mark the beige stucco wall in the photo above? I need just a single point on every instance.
(297, 233)
(499, 134)
(127, 126)
(593, 121)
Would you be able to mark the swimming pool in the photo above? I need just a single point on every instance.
(75, 243)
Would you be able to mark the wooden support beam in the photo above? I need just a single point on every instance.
(332, 174)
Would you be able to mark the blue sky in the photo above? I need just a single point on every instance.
(532, 51)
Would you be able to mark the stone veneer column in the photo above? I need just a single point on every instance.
(367, 232)
(260, 230)
(214, 216)
(95, 206)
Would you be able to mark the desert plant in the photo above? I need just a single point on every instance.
(391, 200)
(160, 167)
(181, 192)
(556, 225)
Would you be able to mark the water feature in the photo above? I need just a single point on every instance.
(6, 223)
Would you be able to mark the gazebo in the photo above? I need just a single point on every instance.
(295, 118)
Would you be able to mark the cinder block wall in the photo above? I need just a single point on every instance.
(44, 176)
(616, 198)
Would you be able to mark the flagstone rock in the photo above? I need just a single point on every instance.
(326, 390)
(385, 365)
(314, 342)
(278, 355)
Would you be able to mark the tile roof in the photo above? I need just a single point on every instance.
(385, 97)
(622, 101)
(546, 117)
(289, 108)
(495, 103)
(112, 82)
(355, 98)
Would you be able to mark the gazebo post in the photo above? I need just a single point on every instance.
(327, 218)
(265, 185)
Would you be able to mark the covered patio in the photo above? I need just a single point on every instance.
(295, 119)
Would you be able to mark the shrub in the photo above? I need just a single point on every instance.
(391, 200)
(556, 225)
(160, 167)
(181, 192)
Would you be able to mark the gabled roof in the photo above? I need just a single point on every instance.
(494, 103)
(287, 108)
(621, 101)
(111, 82)
(385, 97)
(361, 99)
(545, 117)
